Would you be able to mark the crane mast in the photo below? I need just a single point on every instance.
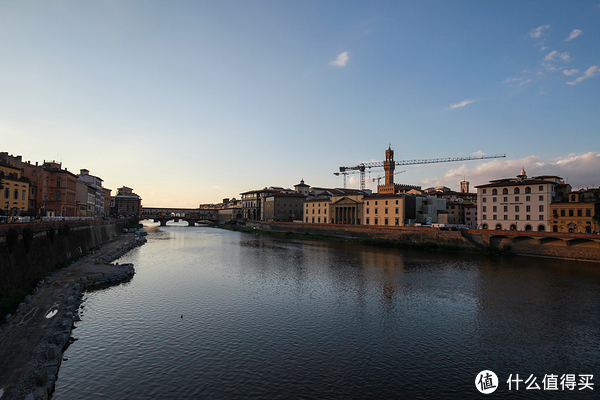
(361, 168)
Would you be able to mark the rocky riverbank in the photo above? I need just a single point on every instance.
(33, 340)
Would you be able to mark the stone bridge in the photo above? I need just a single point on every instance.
(191, 215)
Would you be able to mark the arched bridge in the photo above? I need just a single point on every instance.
(191, 215)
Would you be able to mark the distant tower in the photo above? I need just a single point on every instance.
(389, 166)
(523, 175)
(464, 186)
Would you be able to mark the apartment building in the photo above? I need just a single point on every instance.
(15, 190)
(574, 212)
(519, 203)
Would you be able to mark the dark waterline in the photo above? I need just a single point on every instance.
(269, 318)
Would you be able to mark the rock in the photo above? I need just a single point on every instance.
(52, 352)
(8, 318)
(30, 396)
(43, 376)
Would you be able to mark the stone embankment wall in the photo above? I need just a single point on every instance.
(39, 248)
(544, 244)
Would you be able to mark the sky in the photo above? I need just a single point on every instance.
(191, 102)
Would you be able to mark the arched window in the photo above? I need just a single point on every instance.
(498, 227)
(588, 229)
(554, 228)
(484, 226)
(494, 192)
(527, 189)
(513, 227)
(527, 227)
(505, 191)
(517, 190)
(541, 228)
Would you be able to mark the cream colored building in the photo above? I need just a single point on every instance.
(389, 209)
(520, 203)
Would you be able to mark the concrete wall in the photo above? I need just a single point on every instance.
(21, 267)
(544, 244)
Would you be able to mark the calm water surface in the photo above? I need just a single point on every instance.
(269, 318)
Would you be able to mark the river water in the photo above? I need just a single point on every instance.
(214, 314)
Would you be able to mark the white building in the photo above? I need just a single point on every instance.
(96, 184)
(519, 203)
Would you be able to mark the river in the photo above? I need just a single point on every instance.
(215, 314)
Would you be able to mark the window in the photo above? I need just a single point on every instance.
(505, 199)
(375, 202)
(541, 228)
(376, 221)
(554, 228)
(375, 211)
(527, 198)
(517, 190)
(313, 220)
(516, 217)
(541, 198)
(505, 208)
(386, 210)
(16, 194)
(588, 213)
(319, 220)
(541, 188)
(6, 193)
(367, 203)
(506, 217)
(528, 190)
(541, 208)
(573, 198)
(570, 212)
(23, 195)
(368, 222)
(396, 201)
(386, 203)
(527, 208)
(579, 212)
(494, 217)
(484, 216)
(516, 198)
(494, 192)
(367, 210)
(396, 210)
(516, 208)
(386, 221)
(541, 218)
(484, 209)
(528, 227)
(494, 208)
(494, 199)
(505, 191)
(484, 191)
(562, 213)
(528, 217)
(397, 221)
(484, 199)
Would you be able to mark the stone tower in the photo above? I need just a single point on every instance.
(464, 186)
(389, 166)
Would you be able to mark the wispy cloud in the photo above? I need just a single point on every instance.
(509, 80)
(216, 187)
(341, 60)
(578, 170)
(462, 104)
(538, 32)
(570, 71)
(527, 81)
(573, 35)
(591, 71)
(478, 153)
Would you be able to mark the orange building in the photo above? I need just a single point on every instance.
(574, 212)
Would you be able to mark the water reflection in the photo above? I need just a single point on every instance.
(274, 318)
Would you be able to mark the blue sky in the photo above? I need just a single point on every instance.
(191, 102)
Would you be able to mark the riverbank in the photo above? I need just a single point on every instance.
(33, 340)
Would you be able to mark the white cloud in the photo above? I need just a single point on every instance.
(578, 170)
(508, 80)
(478, 153)
(591, 71)
(573, 35)
(570, 71)
(341, 60)
(527, 81)
(216, 187)
(551, 56)
(565, 57)
(538, 32)
(462, 104)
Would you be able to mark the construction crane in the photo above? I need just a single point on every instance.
(361, 168)
(381, 177)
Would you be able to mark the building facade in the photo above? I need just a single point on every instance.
(126, 203)
(574, 212)
(15, 190)
(283, 207)
(519, 203)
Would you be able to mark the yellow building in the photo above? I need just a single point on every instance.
(387, 209)
(575, 212)
(14, 198)
(316, 211)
